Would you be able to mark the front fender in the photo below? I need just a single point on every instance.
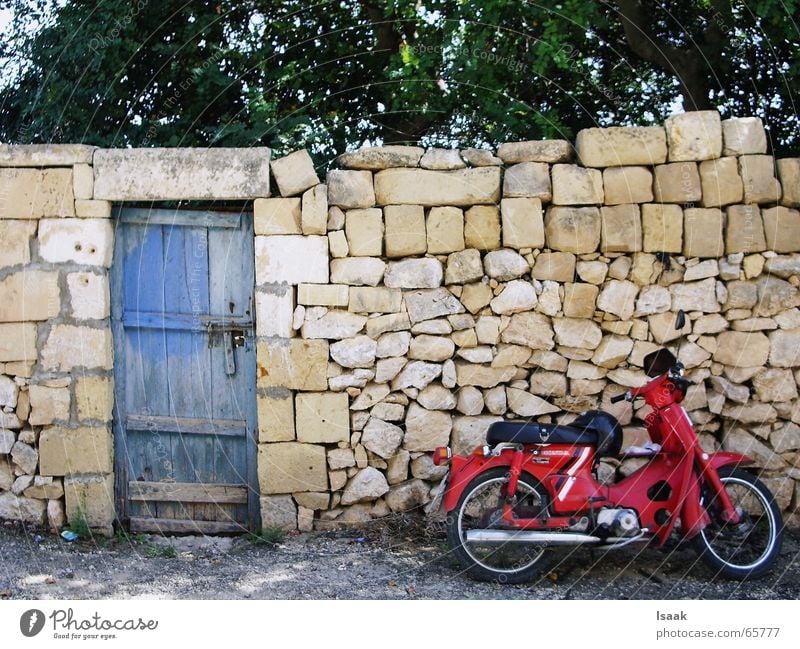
(725, 458)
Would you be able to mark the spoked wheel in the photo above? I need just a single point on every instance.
(480, 507)
(747, 549)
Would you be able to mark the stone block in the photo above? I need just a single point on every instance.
(480, 158)
(445, 230)
(275, 416)
(322, 417)
(573, 229)
(618, 298)
(18, 342)
(526, 404)
(743, 135)
(69, 451)
(784, 348)
(357, 352)
(156, 174)
(314, 211)
(555, 266)
(294, 364)
(370, 299)
(789, 174)
(618, 146)
(435, 158)
(414, 273)
(695, 135)
(627, 185)
(337, 243)
(358, 271)
(781, 229)
(522, 223)
(16, 237)
(89, 295)
(744, 230)
(572, 332)
(91, 499)
(277, 216)
(579, 300)
(335, 324)
(323, 294)
(742, 349)
(278, 512)
(677, 182)
(21, 508)
(695, 296)
(291, 259)
(482, 227)
(48, 405)
(405, 230)
(428, 304)
(518, 295)
(94, 397)
(82, 181)
(350, 189)
(426, 429)
(36, 193)
(83, 241)
(381, 157)
(574, 185)
(478, 185)
(535, 151)
(463, 267)
(720, 182)
(91, 209)
(528, 179)
(45, 155)
(758, 178)
(662, 228)
(70, 346)
(703, 232)
(29, 295)
(288, 467)
(275, 310)
(364, 230)
(621, 228)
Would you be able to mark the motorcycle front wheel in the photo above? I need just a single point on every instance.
(480, 508)
(749, 548)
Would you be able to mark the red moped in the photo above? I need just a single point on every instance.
(533, 486)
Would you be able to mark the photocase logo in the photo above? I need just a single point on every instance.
(31, 622)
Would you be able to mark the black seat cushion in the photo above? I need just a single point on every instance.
(522, 432)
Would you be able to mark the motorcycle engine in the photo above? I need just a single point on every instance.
(618, 522)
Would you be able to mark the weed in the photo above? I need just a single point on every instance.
(78, 523)
(160, 552)
(271, 535)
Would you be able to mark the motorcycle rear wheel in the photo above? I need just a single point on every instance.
(750, 548)
(479, 508)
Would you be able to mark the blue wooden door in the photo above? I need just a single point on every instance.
(185, 421)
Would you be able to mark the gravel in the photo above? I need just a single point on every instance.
(394, 558)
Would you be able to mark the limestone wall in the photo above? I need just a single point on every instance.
(456, 288)
(413, 298)
(56, 356)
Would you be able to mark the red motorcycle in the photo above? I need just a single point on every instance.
(533, 487)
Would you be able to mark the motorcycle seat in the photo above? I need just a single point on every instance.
(522, 432)
(592, 428)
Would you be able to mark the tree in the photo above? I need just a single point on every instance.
(336, 74)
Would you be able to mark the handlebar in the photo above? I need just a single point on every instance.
(620, 397)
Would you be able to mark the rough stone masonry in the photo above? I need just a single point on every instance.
(419, 295)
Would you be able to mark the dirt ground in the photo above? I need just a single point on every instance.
(398, 558)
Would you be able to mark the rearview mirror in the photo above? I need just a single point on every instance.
(680, 320)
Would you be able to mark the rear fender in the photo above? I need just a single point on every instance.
(463, 470)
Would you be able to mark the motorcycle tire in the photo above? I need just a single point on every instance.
(750, 548)
(479, 508)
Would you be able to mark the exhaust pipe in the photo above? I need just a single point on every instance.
(499, 537)
(532, 537)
